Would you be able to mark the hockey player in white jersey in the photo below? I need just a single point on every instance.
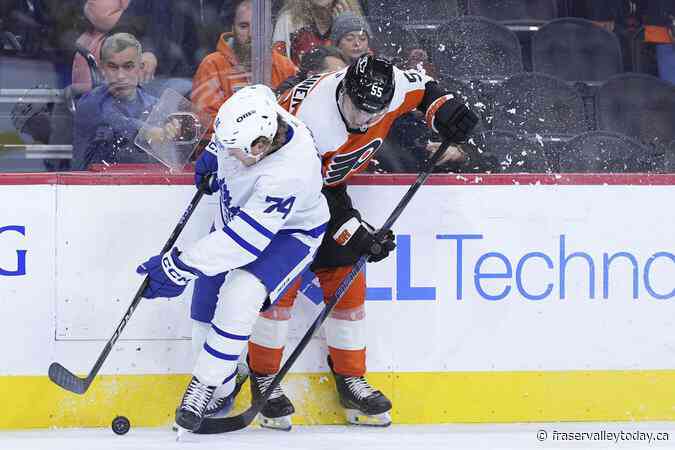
(270, 221)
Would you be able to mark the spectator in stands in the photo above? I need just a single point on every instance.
(102, 16)
(166, 29)
(659, 18)
(39, 26)
(305, 24)
(109, 117)
(351, 35)
(43, 30)
(227, 10)
(318, 60)
(99, 19)
(226, 70)
(214, 16)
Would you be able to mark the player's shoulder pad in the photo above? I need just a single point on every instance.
(411, 79)
(281, 184)
(293, 98)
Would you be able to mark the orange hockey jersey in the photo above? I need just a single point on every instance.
(344, 153)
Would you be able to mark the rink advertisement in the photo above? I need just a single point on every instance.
(508, 299)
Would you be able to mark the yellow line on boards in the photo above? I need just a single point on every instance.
(418, 397)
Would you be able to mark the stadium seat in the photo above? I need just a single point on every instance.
(417, 12)
(514, 10)
(575, 49)
(541, 104)
(643, 54)
(508, 152)
(638, 105)
(669, 165)
(471, 47)
(605, 151)
(8, 41)
(478, 96)
(391, 40)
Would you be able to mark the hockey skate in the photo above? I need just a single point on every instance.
(363, 405)
(221, 406)
(278, 410)
(190, 412)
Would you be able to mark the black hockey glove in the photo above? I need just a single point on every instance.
(362, 238)
(454, 121)
(379, 249)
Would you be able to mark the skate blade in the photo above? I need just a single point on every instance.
(184, 435)
(356, 417)
(282, 423)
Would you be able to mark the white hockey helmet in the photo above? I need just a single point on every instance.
(249, 114)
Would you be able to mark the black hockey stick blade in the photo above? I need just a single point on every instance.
(67, 380)
(70, 382)
(241, 421)
(229, 424)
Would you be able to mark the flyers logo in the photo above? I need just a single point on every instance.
(343, 164)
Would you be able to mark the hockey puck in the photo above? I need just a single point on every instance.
(120, 425)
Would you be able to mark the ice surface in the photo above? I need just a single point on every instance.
(408, 437)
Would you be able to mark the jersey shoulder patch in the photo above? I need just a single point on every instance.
(293, 98)
(411, 79)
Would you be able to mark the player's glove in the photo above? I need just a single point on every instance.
(454, 121)
(361, 237)
(206, 169)
(378, 249)
(168, 275)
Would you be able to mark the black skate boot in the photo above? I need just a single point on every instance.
(278, 410)
(363, 404)
(190, 413)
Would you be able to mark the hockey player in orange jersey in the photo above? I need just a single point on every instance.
(349, 113)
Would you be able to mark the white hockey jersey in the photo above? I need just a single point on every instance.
(279, 194)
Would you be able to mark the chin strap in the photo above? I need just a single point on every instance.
(339, 94)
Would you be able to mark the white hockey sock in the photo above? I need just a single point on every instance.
(199, 332)
(346, 330)
(270, 333)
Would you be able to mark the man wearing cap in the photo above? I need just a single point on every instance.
(228, 69)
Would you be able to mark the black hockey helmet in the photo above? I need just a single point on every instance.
(369, 83)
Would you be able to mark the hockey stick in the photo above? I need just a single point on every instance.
(241, 421)
(64, 377)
